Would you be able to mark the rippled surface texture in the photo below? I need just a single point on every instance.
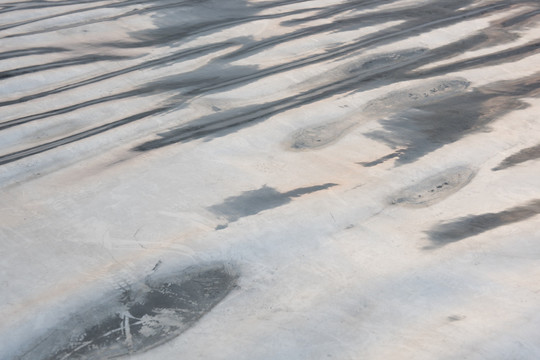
(262, 179)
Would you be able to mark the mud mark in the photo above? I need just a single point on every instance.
(454, 318)
(429, 93)
(434, 188)
(395, 154)
(254, 201)
(319, 136)
(328, 133)
(462, 228)
(142, 316)
(523, 155)
(424, 124)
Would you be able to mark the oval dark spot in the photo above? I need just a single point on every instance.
(142, 316)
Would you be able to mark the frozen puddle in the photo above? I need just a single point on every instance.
(137, 318)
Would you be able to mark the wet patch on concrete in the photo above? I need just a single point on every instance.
(521, 156)
(82, 60)
(139, 317)
(357, 79)
(524, 19)
(193, 19)
(218, 75)
(454, 318)
(254, 201)
(199, 20)
(383, 159)
(430, 93)
(462, 228)
(319, 136)
(434, 188)
(427, 126)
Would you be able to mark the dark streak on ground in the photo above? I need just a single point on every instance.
(453, 318)
(219, 75)
(141, 317)
(462, 228)
(363, 79)
(87, 59)
(199, 19)
(163, 61)
(426, 128)
(94, 21)
(395, 154)
(254, 201)
(521, 156)
(17, 155)
(30, 51)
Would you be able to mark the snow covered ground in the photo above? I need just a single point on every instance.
(270, 179)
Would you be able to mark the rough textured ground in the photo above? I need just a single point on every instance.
(231, 179)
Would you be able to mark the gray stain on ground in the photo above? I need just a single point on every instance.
(142, 316)
(318, 136)
(182, 22)
(395, 154)
(455, 116)
(254, 201)
(454, 318)
(366, 79)
(462, 228)
(426, 128)
(530, 153)
(435, 188)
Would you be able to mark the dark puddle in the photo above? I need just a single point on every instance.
(254, 201)
(523, 155)
(142, 316)
(472, 225)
